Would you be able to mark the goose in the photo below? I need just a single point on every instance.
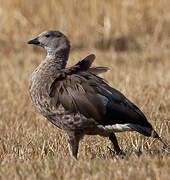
(77, 100)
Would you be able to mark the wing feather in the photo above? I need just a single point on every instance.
(80, 90)
(77, 96)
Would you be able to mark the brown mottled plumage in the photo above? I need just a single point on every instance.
(76, 100)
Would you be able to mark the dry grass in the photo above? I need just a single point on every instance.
(31, 147)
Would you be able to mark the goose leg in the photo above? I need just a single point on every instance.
(73, 140)
(113, 139)
(73, 150)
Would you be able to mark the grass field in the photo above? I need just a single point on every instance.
(132, 38)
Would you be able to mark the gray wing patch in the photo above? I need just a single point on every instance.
(104, 99)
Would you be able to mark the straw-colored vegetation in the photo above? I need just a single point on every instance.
(132, 37)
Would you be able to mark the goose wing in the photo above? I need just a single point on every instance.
(80, 90)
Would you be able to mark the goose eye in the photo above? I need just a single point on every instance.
(47, 35)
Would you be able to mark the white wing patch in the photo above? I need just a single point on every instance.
(121, 127)
(115, 128)
(125, 127)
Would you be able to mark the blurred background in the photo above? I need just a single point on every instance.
(130, 24)
(131, 37)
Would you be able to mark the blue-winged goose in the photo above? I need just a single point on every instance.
(78, 101)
